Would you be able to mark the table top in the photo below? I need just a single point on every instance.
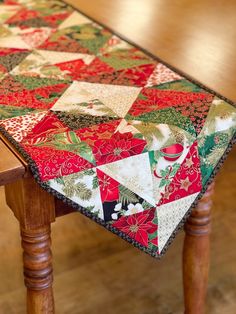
(197, 37)
(11, 167)
(177, 26)
(129, 96)
(189, 35)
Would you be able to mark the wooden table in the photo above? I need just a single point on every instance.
(188, 36)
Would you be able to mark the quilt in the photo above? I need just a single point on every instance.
(105, 126)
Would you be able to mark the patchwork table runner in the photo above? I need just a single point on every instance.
(105, 126)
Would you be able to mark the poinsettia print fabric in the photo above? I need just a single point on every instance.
(111, 130)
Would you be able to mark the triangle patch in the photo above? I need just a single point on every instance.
(169, 216)
(74, 19)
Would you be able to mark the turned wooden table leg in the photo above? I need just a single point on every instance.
(37, 260)
(196, 255)
(35, 210)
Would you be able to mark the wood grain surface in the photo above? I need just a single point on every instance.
(196, 36)
(196, 254)
(10, 167)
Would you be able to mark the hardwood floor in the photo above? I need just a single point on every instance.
(95, 272)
